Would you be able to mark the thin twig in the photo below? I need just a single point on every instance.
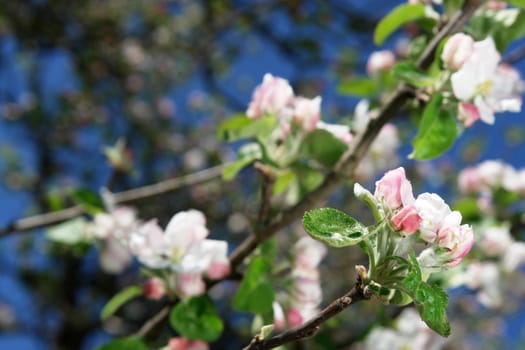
(125, 197)
(153, 321)
(311, 327)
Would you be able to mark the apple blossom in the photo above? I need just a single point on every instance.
(308, 253)
(380, 61)
(114, 257)
(115, 224)
(272, 97)
(485, 278)
(307, 112)
(485, 84)
(433, 210)
(184, 249)
(457, 50)
(408, 332)
(495, 240)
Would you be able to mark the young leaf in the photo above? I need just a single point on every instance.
(333, 227)
(255, 294)
(240, 127)
(437, 131)
(196, 318)
(430, 300)
(89, 200)
(411, 74)
(324, 147)
(124, 343)
(246, 155)
(120, 299)
(517, 3)
(361, 87)
(69, 232)
(396, 18)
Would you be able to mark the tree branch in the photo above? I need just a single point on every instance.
(311, 327)
(125, 197)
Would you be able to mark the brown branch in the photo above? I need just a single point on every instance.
(153, 321)
(125, 197)
(311, 327)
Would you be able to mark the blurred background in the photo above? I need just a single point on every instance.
(78, 76)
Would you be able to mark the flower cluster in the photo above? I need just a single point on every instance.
(409, 332)
(275, 97)
(111, 230)
(305, 294)
(490, 175)
(181, 248)
(498, 255)
(481, 83)
(427, 217)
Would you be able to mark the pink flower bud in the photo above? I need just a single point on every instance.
(394, 189)
(457, 50)
(407, 220)
(154, 288)
(178, 343)
(496, 5)
(380, 61)
(218, 269)
(294, 318)
(271, 97)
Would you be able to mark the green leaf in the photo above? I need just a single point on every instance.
(283, 181)
(324, 147)
(120, 299)
(506, 32)
(124, 344)
(255, 294)
(245, 156)
(430, 300)
(399, 16)
(70, 232)
(89, 200)
(411, 74)
(437, 131)
(333, 227)
(196, 318)
(452, 6)
(517, 3)
(361, 87)
(240, 127)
